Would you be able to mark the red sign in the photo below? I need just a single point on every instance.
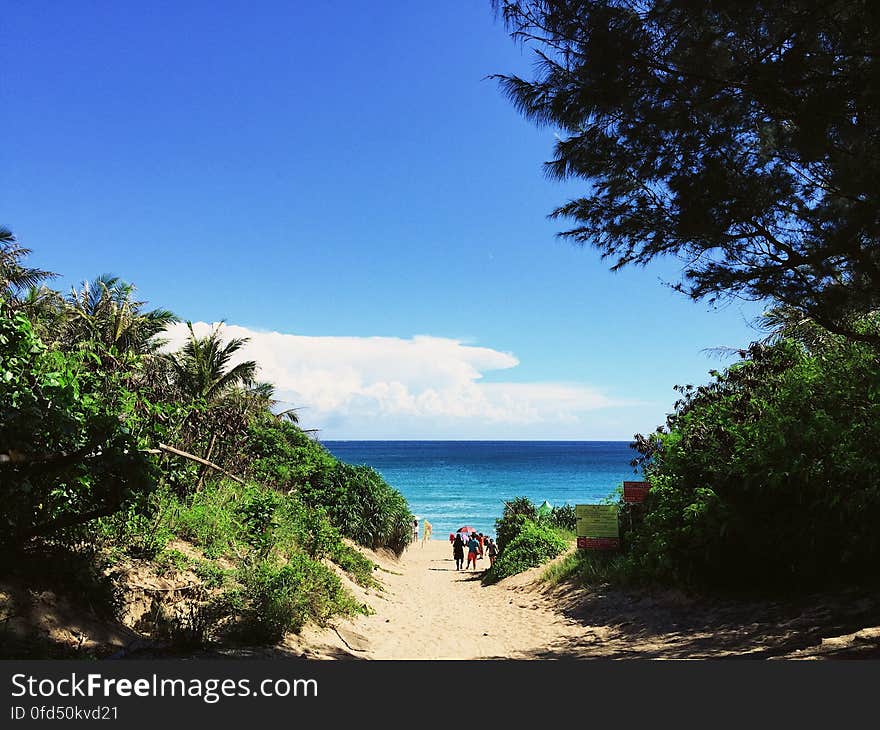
(598, 543)
(635, 491)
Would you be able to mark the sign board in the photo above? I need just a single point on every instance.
(635, 491)
(597, 527)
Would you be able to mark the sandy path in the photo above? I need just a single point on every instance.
(429, 610)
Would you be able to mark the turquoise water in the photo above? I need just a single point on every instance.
(456, 483)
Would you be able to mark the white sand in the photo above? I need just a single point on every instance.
(431, 611)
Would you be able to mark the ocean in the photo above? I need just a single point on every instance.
(457, 483)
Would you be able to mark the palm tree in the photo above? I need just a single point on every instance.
(16, 278)
(203, 366)
(105, 311)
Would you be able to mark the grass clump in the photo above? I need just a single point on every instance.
(276, 598)
(211, 574)
(586, 568)
(170, 560)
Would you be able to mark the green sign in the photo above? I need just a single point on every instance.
(596, 520)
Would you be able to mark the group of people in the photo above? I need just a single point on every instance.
(476, 543)
(426, 531)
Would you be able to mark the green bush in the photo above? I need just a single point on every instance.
(170, 560)
(564, 517)
(532, 546)
(769, 475)
(516, 513)
(358, 566)
(280, 598)
(66, 429)
(282, 455)
(355, 498)
(255, 512)
(362, 505)
(306, 528)
(211, 574)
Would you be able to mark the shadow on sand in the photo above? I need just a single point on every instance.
(671, 625)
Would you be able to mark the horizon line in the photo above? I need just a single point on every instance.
(435, 440)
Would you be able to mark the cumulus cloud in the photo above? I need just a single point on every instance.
(391, 387)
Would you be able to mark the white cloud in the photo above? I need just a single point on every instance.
(421, 387)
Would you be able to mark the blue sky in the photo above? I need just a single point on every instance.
(341, 174)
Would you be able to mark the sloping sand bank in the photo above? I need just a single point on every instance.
(429, 610)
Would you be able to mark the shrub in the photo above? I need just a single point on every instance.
(208, 519)
(362, 505)
(211, 574)
(282, 455)
(170, 560)
(306, 528)
(277, 599)
(768, 475)
(358, 566)
(534, 545)
(67, 437)
(516, 512)
(255, 512)
(564, 518)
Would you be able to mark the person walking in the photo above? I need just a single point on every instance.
(480, 540)
(492, 550)
(458, 551)
(415, 530)
(472, 546)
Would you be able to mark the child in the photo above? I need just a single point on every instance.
(493, 551)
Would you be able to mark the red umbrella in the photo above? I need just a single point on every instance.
(466, 528)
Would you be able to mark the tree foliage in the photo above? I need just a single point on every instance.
(16, 279)
(739, 136)
(67, 432)
(768, 475)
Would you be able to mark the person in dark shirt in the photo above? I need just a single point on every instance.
(458, 551)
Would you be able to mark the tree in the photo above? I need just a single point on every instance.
(203, 365)
(16, 279)
(105, 311)
(740, 136)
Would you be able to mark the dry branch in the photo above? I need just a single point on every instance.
(199, 460)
